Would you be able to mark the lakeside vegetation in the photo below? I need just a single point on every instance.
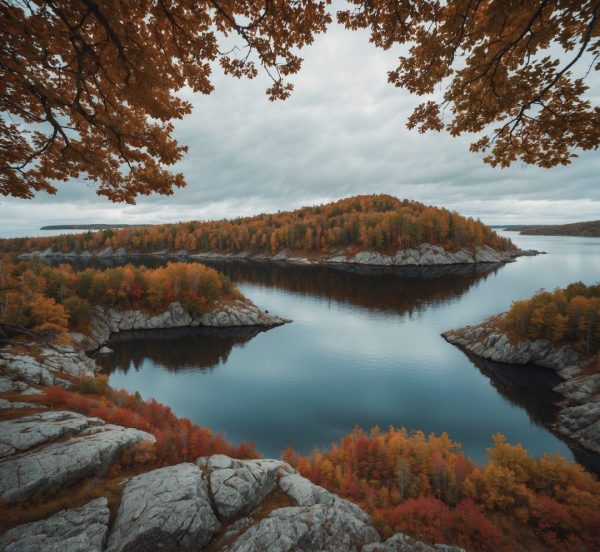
(45, 301)
(375, 222)
(424, 486)
(427, 487)
(567, 316)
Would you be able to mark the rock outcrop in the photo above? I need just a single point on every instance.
(24, 433)
(165, 509)
(425, 254)
(107, 322)
(34, 464)
(239, 486)
(579, 417)
(185, 508)
(80, 530)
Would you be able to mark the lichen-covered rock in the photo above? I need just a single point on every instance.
(425, 254)
(307, 529)
(79, 530)
(238, 486)
(166, 509)
(27, 432)
(403, 543)
(61, 464)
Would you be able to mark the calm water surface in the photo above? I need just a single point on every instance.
(363, 349)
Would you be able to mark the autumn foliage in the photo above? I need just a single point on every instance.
(428, 488)
(89, 88)
(375, 222)
(177, 439)
(563, 316)
(50, 301)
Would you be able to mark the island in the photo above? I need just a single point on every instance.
(376, 230)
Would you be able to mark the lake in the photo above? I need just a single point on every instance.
(364, 349)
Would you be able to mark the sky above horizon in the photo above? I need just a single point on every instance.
(341, 133)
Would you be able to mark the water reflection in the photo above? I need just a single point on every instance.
(532, 388)
(175, 349)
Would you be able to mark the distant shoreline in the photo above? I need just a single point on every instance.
(91, 226)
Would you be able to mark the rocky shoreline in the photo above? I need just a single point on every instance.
(578, 419)
(214, 503)
(423, 255)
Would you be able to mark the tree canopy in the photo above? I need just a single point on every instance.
(88, 88)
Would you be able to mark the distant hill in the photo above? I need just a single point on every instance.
(91, 226)
(379, 223)
(588, 229)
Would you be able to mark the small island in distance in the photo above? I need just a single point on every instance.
(587, 229)
(91, 226)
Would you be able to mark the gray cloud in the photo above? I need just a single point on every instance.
(341, 133)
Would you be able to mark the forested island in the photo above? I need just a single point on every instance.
(588, 229)
(374, 229)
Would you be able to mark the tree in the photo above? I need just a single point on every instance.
(89, 87)
(505, 63)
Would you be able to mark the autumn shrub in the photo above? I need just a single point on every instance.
(177, 439)
(428, 488)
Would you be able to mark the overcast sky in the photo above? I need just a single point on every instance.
(341, 133)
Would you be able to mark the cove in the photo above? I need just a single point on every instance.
(364, 349)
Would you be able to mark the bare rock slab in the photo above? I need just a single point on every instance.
(24, 433)
(80, 530)
(61, 464)
(166, 509)
(307, 529)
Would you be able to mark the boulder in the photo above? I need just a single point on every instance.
(105, 350)
(166, 509)
(305, 493)
(78, 530)
(24, 433)
(307, 529)
(57, 465)
(238, 486)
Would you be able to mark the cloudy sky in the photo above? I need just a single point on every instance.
(341, 133)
